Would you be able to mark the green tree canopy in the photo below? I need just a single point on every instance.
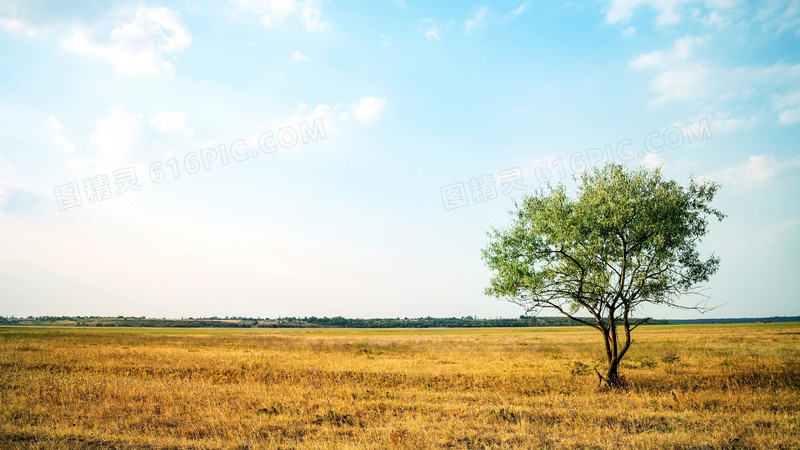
(629, 237)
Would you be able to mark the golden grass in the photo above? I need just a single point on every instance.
(690, 386)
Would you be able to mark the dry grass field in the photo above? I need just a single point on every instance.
(707, 386)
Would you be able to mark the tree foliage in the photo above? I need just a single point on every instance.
(629, 237)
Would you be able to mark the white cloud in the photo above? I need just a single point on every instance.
(477, 22)
(302, 115)
(486, 16)
(667, 11)
(324, 112)
(17, 198)
(789, 106)
(20, 27)
(118, 132)
(683, 83)
(311, 15)
(299, 57)
(273, 12)
(714, 124)
(628, 32)
(757, 170)
(276, 11)
(55, 128)
(171, 121)
(781, 15)
(731, 124)
(399, 4)
(652, 161)
(714, 19)
(787, 100)
(432, 30)
(789, 117)
(14, 18)
(518, 11)
(682, 78)
(384, 42)
(63, 143)
(621, 10)
(117, 140)
(141, 46)
(54, 125)
(681, 50)
(369, 109)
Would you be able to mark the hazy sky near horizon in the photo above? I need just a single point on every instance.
(304, 157)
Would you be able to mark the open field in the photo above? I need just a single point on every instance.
(690, 386)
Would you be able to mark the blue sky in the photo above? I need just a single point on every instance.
(302, 157)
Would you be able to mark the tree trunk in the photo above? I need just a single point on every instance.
(612, 377)
(615, 351)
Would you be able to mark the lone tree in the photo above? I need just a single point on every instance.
(628, 238)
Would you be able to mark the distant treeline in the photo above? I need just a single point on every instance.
(295, 322)
(737, 320)
(427, 322)
(338, 322)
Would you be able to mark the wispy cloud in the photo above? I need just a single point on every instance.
(780, 15)
(680, 51)
(20, 27)
(143, 45)
(370, 109)
(433, 30)
(789, 116)
(621, 10)
(486, 16)
(671, 12)
(55, 130)
(17, 198)
(516, 12)
(681, 77)
(476, 22)
(297, 56)
(755, 171)
(273, 12)
(116, 138)
(167, 121)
